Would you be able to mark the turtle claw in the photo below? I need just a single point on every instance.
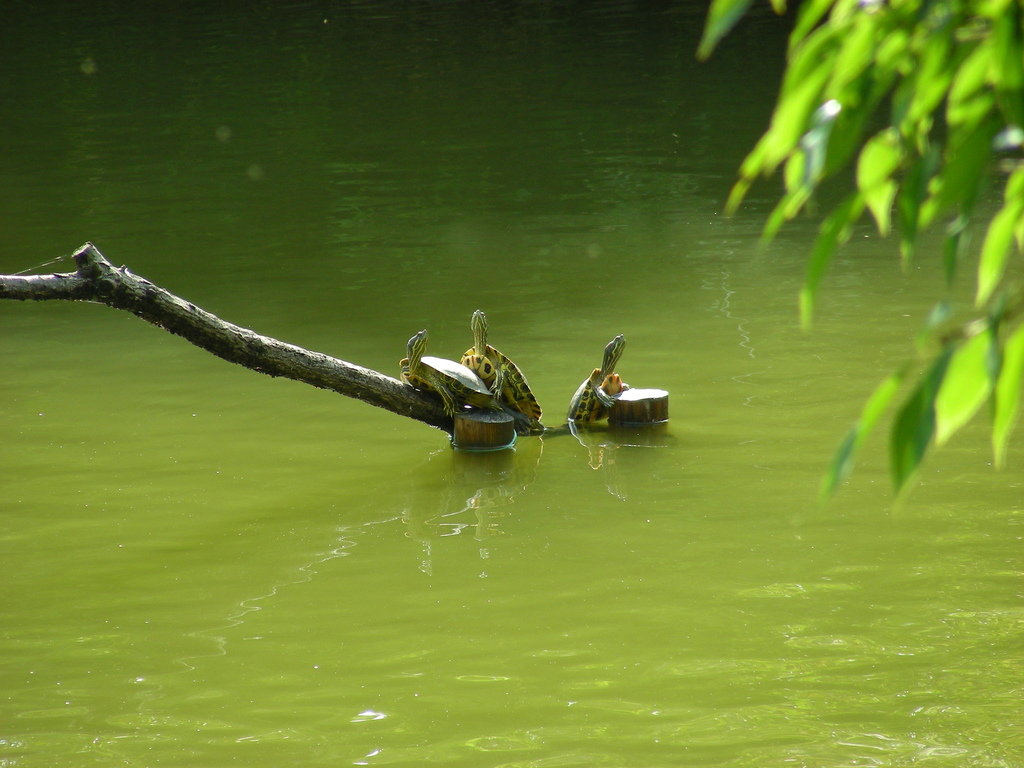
(499, 381)
(450, 405)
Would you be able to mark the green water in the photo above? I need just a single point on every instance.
(204, 566)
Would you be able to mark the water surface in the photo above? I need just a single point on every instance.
(205, 566)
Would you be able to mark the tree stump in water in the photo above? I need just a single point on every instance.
(477, 430)
(640, 406)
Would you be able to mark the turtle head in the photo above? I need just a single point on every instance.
(417, 346)
(479, 326)
(612, 353)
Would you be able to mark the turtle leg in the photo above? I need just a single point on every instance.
(499, 381)
(603, 397)
(450, 404)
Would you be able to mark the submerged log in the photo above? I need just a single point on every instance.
(640, 406)
(97, 280)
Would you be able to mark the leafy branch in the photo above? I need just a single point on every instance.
(945, 80)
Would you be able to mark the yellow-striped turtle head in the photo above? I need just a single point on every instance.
(477, 358)
(414, 350)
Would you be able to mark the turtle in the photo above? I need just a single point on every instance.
(454, 382)
(596, 395)
(501, 375)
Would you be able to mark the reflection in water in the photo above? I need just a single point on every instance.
(723, 306)
(603, 441)
(601, 451)
(482, 484)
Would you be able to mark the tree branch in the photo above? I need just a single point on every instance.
(100, 281)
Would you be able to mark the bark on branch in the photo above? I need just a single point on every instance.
(100, 281)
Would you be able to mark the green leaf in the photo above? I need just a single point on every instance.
(892, 51)
(791, 118)
(967, 384)
(915, 424)
(881, 156)
(970, 77)
(1007, 394)
(795, 173)
(816, 53)
(1015, 185)
(834, 231)
(930, 80)
(993, 9)
(754, 163)
(1008, 66)
(814, 143)
(879, 201)
(938, 316)
(789, 205)
(958, 238)
(811, 12)
(971, 111)
(996, 248)
(736, 195)
(844, 458)
(960, 180)
(784, 211)
(856, 51)
(910, 198)
(722, 17)
(878, 161)
(860, 111)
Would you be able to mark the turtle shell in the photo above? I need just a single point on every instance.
(454, 382)
(456, 375)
